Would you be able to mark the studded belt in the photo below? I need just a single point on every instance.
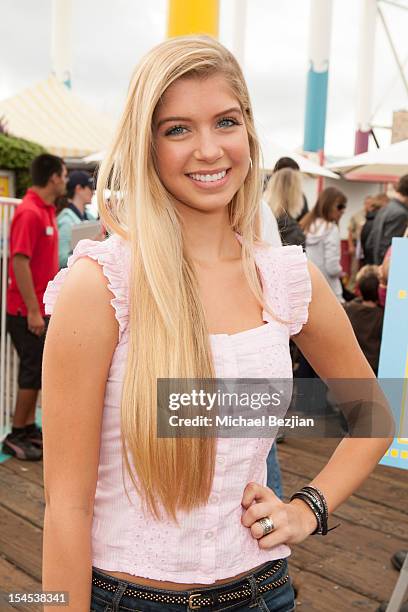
(197, 600)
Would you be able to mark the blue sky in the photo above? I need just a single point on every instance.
(109, 38)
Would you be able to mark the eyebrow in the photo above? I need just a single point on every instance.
(233, 109)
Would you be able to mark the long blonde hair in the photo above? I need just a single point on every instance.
(168, 336)
(284, 193)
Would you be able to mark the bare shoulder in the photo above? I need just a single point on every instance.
(85, 296)
(324, 303)
(325, 311)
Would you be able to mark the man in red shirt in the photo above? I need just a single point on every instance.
(33, 263)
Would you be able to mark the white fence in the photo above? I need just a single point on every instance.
(8, 356)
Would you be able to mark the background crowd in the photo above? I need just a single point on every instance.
(370, 233)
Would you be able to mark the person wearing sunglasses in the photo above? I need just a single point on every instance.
(320, 226)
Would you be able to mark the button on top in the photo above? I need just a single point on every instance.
(209, 535)
(214, 498)
(221, 459)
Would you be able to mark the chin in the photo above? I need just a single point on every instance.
(204, 203)
(207, 204)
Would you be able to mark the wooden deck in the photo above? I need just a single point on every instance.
(347, 570)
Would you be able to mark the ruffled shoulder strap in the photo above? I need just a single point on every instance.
(286, 281)
(112, 256)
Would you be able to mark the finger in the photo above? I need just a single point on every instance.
(253, 492)
(276, 538)
(257, 531)
(255, 512)
(277, 517)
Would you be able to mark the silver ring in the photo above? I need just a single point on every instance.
(267, 525)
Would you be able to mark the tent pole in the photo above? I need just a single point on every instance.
(240, 13)
(187, 17)
(61, 40)
(318, 76)
(365, 75)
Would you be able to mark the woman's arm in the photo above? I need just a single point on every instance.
(328, 343)
(81, 339)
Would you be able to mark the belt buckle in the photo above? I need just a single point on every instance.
(191, 604)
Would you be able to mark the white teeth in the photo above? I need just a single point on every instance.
(208, 178)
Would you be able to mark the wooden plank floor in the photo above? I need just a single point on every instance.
(349, 569)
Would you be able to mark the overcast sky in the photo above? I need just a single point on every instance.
(111, 35)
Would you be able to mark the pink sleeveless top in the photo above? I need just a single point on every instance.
(209, 543)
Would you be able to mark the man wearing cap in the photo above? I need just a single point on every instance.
(79, 192)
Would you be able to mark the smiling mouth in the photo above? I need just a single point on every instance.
(214, 177)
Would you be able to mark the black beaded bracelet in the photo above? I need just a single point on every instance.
(321, 496)
(320, 507)
(317, 503)
(316, 498)
(320, 528)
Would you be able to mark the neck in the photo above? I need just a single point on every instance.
(45, 194)
(208, 237)
(79, 204)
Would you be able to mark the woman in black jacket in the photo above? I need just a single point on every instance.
(284, 195)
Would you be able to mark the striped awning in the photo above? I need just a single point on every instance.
(51, 115)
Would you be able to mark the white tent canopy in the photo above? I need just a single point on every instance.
(51, 115)
(271, 152)
(94, 157)
(392, 160)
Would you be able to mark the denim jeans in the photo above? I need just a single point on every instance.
(274, 478)
(278, 599)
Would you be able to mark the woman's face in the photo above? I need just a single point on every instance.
(202, 149)
(337, 211)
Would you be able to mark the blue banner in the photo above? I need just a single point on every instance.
(394, 347)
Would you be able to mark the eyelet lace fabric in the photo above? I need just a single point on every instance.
(209, 543)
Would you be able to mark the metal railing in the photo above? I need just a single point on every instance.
(8, 356)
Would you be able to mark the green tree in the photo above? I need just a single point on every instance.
(17, 154)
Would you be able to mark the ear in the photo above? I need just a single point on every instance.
(53, 177)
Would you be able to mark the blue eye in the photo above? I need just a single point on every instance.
(177, 130)
(228, 122)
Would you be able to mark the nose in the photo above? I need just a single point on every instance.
(208, 148)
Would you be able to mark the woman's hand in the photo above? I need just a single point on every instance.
(293, 522)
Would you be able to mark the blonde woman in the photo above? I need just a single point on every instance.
(285, 198)
(182, 288)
